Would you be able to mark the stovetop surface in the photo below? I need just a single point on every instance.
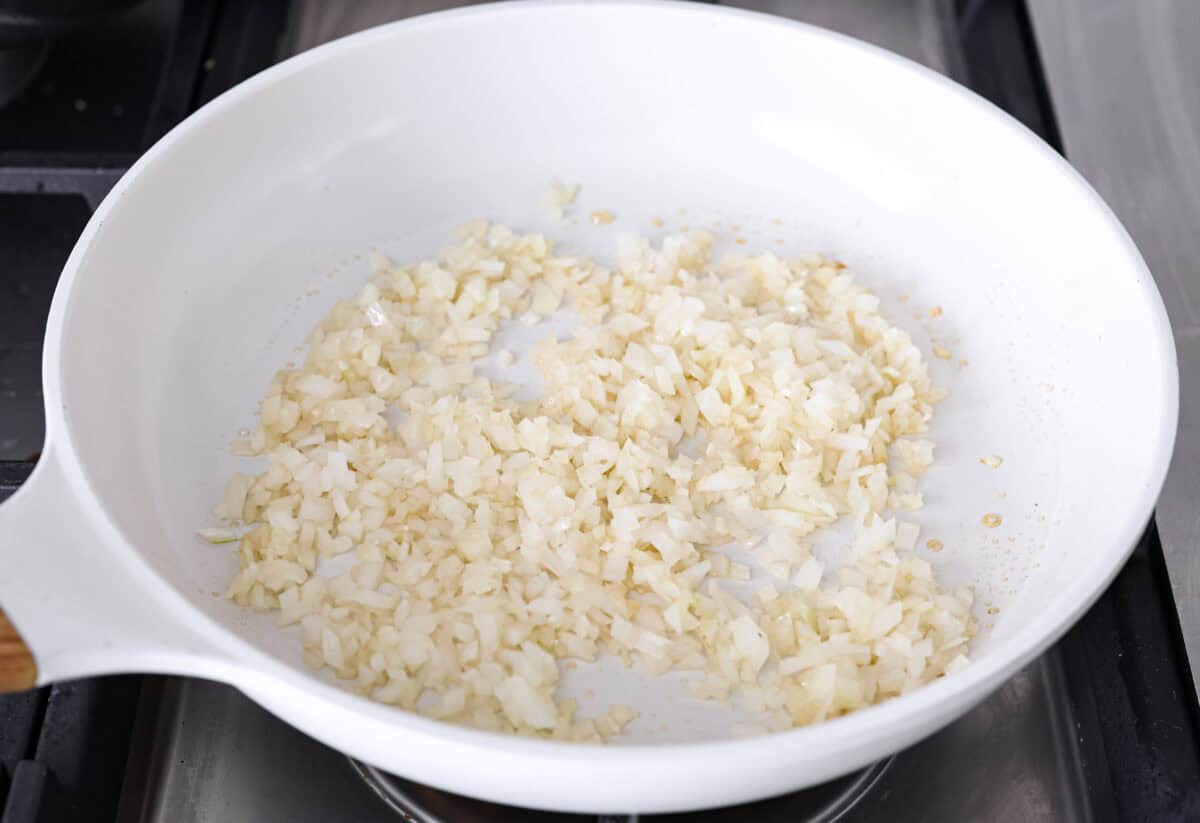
(1102, 727)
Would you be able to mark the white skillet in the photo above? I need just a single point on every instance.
(212, 257)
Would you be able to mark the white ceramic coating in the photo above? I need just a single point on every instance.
(209, 261)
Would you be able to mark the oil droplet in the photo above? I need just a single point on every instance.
(992, 461)
(936, 311)
(992, 520)
(658, 222)
(993, 610)
(602, 217)
(741, 241)
(934, 545)
(941, 353)
(904, 298)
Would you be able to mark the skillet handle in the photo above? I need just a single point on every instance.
(77, 602)
(18, 670)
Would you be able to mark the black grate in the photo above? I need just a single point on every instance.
(1133, 698)
(36, 235)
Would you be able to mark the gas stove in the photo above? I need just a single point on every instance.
(1104, 726)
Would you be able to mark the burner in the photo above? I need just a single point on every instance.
(821, 804)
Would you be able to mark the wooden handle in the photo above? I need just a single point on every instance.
(18, 671)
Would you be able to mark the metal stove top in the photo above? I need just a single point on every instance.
(218, 758)
(1102, 727)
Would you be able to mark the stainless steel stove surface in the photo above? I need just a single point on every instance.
(221, 758)
(1102, 727)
